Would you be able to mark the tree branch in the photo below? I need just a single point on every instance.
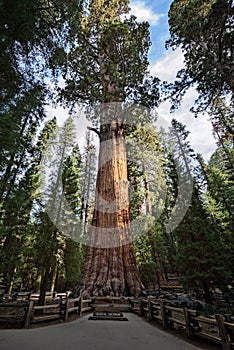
(95, 130)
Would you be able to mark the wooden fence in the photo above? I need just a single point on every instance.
(219, 330)
(31, 313)
(25, 296)
(13, 313)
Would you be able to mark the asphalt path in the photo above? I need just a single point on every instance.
(84, 334)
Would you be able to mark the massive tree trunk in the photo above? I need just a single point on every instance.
(110, 265)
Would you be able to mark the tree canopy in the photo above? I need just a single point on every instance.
(204, 32)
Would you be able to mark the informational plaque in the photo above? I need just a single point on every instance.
(108, 315)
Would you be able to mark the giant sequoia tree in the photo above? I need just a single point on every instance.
(107, 67)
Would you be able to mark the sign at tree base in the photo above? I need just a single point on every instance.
(108, 315)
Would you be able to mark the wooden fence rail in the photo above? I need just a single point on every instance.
(13, 312)
(27, 296)
(219, 330)
(57, 311)
(31, 313)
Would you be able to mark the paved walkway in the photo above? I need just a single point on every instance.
(84, 334)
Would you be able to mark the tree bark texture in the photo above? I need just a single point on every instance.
(110, 265)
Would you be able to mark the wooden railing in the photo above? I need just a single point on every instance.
(25, 296)
(31, 313)
(219, 330)
(13, 313)
(57, 311)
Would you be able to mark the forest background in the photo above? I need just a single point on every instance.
(37, 37)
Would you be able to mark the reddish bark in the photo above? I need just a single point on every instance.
(110, 266)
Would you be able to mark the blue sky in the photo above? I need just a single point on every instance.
(155, 12)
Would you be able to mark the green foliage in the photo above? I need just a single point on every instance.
(58, 253)
(31, 32)
(103, 58)
(218, 178)
(223, 125)
(109, 62)
(201, 254)
(204, 31)
(73, 261)
(19, 192)
(145, 170)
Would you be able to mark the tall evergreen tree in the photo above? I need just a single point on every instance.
(148, 184)
(88, 174)
(108, 66)
(218, 181)
(50, 213)
(201, 257)
(17, 202)
(201, 253)
(73, 252)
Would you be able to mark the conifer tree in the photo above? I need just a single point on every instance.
(61, 167)
(201, 253)
(201, 257)
(73, 252)
(18, 201)
(108, 67)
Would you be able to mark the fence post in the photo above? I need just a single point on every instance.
(28, 314)
(66, 309)
(189, 328)
(141, 311)
(222, 332)
(77, 304)
(81, 306)
(228, 318)
(163, 313)
(150, 312)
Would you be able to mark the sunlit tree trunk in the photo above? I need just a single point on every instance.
(112, 65)
(110, 265)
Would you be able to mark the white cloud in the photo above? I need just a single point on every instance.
(59, 112)
(144, 13)
(200, 137)
(167, 67)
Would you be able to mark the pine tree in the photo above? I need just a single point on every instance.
(201, 254)
(147, 198)
(50, 214)
(218, 182)
(73, 252)
(88, 174)
(18, 198)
